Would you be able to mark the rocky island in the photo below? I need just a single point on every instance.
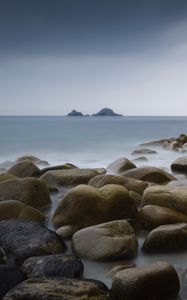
(75, 113)
(106, 112)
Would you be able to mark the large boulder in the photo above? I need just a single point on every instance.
(120, 165)
(13, 209)
(143, 151)
(58, 289)
(154, 216)
(155, 281)
(131, 184)
(34, 159)
(112, 240)
(85, 205)
(6, 176)
(30, 191)
(167, 196)
(25, 168)
(10, 276)
(169, 237)
(69, 177)
(150, 174)
(180, 165)
(21, 239)
(60, 265)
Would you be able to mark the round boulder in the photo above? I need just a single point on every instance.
(180, 165)
(120, 165)
(112, 240)
(25, 168)
(57, 265)
(21, 239)
(154, 216)
(58, 289)
(5, 176)
(155, 281)
(169, 237)
(85, 205)
(150, 174)
(34, 159)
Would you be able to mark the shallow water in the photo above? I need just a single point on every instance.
(94, 142)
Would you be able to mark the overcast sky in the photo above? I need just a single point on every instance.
(57, 55)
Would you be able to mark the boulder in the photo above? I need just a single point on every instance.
(66, 166)
(180, 165)
(112, 240)
(85, 205)
(143, 151)
(57, 265)
(167, 196)
(169, 237)
(21, 239)
(131, 184)
(58, 289)
(150, 174)
(120, 165)
(5, 176)
(69, 177)
(25, 168)
(13, 209)
(67, 231)
(31, 191)
(34, 159)
(136, 197)
(10, 276)
(155, 281)
(141, 159)
(154, 216)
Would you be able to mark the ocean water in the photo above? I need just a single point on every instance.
(88, 141)
(95, 142)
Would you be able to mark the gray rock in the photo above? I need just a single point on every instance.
(155, 281)
(58, 289)
(112, 240)
(57, 265)
(120, 165)
(21, 239)
(143, 151)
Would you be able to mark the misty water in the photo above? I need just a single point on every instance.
(94, 142)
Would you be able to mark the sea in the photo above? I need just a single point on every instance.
(95, 142)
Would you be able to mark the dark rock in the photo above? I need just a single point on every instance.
(143, 151)
(152, 282)
(141, 159)
(66, 166)
(150, 174)
(58, 289)
(106, 112)
(120, 165)
(31, 191)
(25, 168)
(180, 165)
(85, 205)
(21, 239)
(169, 237)
(59, 265)
(131, 184)
(75, 113)
(10, 276)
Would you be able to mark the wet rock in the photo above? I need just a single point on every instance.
(66, 166)
(10, 276)
(170, 237)
(58, 289)
(85, 205)
(150, 174)
(167, 196)
(68, 177)
(180, 165)
(67, 231)
(13, 209)
(120, 165)
(112, 240)
(30, 191)
(141, 159)
(155, 281)
(143, 151)
(59, 265)
(116, 269)
(154, 216)
(131, 184)
(5, 176)
(25, 168)
(34, 159)
(21, 239)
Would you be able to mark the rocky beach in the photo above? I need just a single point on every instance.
(115, 232)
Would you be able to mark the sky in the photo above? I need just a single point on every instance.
(59, 55)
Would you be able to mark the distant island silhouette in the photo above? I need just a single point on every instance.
(104, 112)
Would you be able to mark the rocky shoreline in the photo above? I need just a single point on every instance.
(99, 215)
